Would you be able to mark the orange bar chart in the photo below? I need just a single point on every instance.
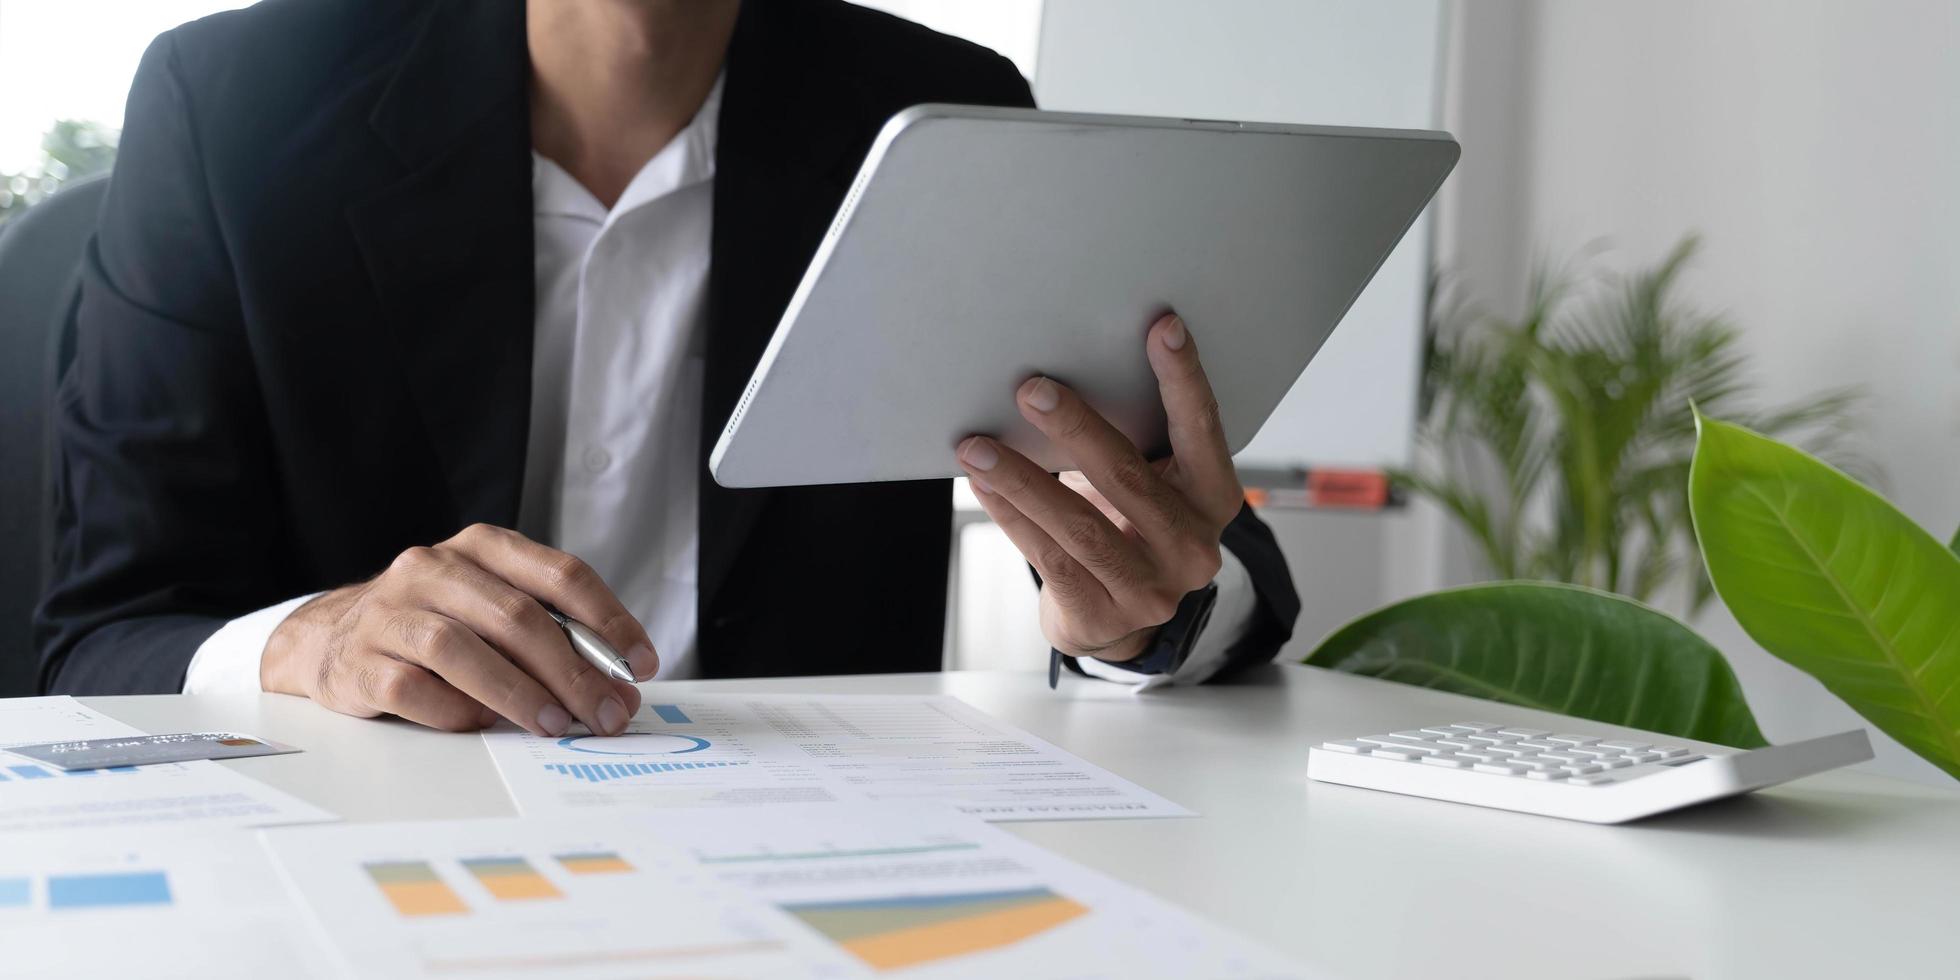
(413, 888)
(907, 930)
(511, 878)
(593, 863)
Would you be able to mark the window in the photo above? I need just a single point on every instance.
(65, 68)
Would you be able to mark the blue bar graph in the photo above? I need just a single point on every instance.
(672, 714)
(13, 893)
(108, 890)
(37, 772)
(605, 771)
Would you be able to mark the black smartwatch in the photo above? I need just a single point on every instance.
(1171, 647)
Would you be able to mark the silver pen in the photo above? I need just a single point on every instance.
(593, 647)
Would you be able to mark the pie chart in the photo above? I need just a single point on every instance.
(634, 743)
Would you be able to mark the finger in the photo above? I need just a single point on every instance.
(526, 640)
(565, 582)
(1197, 431)
(1064, 577)
(1108, 459)
(397, 687)
(1069, 521)
(1074, 480)
(437, 638)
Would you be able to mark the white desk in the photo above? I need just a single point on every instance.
(1840, 875)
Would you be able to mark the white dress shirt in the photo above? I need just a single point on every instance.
(611, 470)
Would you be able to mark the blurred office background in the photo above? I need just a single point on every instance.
(1812, 145)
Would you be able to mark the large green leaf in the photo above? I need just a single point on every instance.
(1954, 546)
(1827, 575)
(1562, 648)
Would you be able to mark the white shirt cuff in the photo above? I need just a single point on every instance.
(228, 661)
(1231, 617)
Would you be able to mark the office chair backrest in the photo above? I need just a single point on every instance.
(40, 255)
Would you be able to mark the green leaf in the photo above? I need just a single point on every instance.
(1827, 575)
(1954, 545)
(1562, 648)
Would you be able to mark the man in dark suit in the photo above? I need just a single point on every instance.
(430, 297)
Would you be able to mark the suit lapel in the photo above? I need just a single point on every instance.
(448, 246)
(791, 135)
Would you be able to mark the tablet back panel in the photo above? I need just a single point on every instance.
(980, 246)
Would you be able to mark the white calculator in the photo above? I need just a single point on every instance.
(1578, 777)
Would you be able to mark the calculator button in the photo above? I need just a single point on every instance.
(1386, 740)
(1566, 756)
(1669, 751)
(1591, 750)
(1447, 731)
(1448, 761)
(1532, 743)
(1524, 732)
(1533, 765)
(1547, 774)
(1489, 739)
(1624, 746)
(1350, 747)
(1643, 756)
(1505, 750)
(1416, 735)
(1404, 752)
(1571, 739)
(1500, 768)
(1612, 762)
(1581, 770)
(1590, 780)
(1459, 743)
(1482, 756)
(1475, 726)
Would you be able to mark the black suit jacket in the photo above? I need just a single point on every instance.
(304, 334)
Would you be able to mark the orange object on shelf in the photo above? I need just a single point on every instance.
(1361, 489)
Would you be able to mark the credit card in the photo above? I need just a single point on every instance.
(142, 750)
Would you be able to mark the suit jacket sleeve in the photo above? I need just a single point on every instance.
(164, 510)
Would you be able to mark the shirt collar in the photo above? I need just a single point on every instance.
(686, 160)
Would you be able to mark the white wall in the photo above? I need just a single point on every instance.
(1814, 145)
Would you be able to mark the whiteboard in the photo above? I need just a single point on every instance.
(1331, 62)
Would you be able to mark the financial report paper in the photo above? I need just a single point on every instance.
(37, 796)
(167, 904)
(822, 890)
(747, 750)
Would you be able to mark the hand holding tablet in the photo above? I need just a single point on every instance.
(1118, 555)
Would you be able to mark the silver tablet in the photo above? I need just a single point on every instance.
(981, 246)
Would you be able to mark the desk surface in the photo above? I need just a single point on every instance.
(1844, 874)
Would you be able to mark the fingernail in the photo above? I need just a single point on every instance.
(642, 660)
(553, 720)
(612, 715)
(979, 454)
(1043, 395)
(486, 718)
(979, 484)
(1174, 335)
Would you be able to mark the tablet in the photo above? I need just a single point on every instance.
(981, 246)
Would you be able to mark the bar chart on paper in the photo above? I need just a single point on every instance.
(604, 771)
(539, 898)
(111, 903)
(907, 930)
(929, 892)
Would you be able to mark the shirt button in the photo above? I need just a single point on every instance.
(597, 459)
